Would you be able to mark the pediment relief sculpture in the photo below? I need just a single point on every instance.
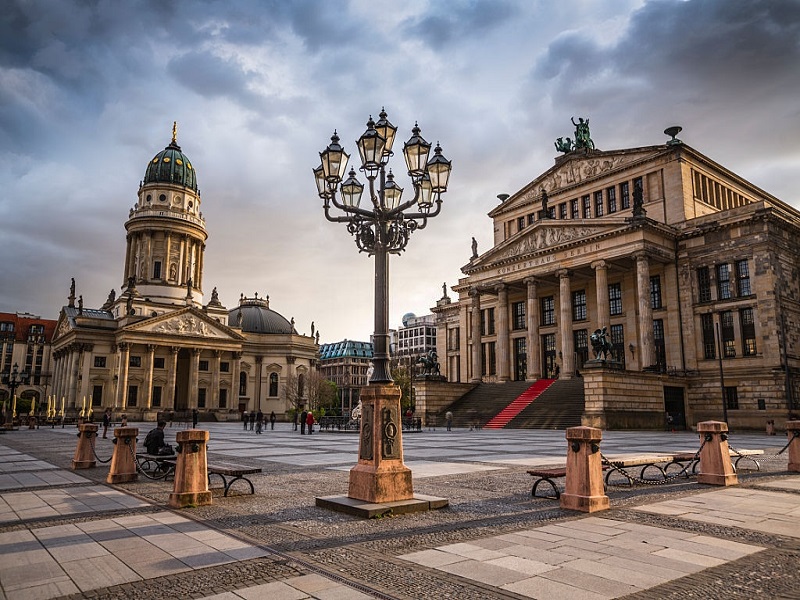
(186, 325)
(63, 328)
(546, 237)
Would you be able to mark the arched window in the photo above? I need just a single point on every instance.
(243, 384)
(273, 384)
(301, 385)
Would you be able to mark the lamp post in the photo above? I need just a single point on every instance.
(13, 380)
(381, 229)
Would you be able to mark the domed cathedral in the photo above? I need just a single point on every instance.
(156, 346)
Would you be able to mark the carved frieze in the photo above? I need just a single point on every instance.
(546, 237)
(185, 325)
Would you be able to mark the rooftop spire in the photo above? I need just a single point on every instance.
(174, 132)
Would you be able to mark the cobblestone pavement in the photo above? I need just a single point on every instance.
(66, 533)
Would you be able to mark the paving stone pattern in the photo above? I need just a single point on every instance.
(66, 533)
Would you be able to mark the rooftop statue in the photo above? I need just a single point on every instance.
(582, 139)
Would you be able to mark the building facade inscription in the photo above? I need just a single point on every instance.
(549, 259)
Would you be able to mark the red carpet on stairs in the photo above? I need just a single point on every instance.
(524, 400)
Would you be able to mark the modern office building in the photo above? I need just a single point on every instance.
(346, 363)
(691, 270)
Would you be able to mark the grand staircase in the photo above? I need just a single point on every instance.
(558, 404)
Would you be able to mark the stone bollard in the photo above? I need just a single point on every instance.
(123, 461)
(191, 471)
(32, 423)
(84, 451)
(716, 467)
(793, 431)
(584, 484)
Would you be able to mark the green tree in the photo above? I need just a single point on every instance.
(402, 378)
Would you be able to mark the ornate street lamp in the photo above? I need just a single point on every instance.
(13, 380)
(381, 229)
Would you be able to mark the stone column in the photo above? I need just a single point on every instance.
(715, 458)
(259, 375)
(57, 368)
(646, 349)
(148, 376)
(601, 285)
(237, 367)
(194, 370)
(72, 388)
(477, 356)
(502, 333)
(124, 362)
(215, 379)
(584, 481)
(532, 348)
(167, 254)
(565, 325)
(127, 259)
(123, 463)
(86, 359)
(172, 378)
(191, 471)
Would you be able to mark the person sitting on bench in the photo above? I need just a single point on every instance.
(154, 442)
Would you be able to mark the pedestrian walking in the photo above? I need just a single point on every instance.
(272, 419)
(295, 419)
(195, 417)
(303, 417)
(449, 419)
(259, 422)
(245, 419)
(106, 422)
(252, 420)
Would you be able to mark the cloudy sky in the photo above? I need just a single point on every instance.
(89, 90)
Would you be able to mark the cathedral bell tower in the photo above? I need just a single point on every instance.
(166, 234)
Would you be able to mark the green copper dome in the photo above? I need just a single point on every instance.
(171, 166)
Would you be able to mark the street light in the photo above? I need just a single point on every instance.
(13, 380)
(385, 227)
(381, 229)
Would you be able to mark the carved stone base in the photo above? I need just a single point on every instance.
(380, 475)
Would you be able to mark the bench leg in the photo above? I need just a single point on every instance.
(750, 458)
(660, 470)
(552, 485)
(221, 476)
(228, 487)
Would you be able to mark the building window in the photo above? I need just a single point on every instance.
(611, 194)
(487, 321)
(157, 269)
(573, 208)
(243, 384)
(133, 395)
(732, 397)
(100, 362)
(520, 223)
(531, 219)
(579, 305)
(454, 338)
(201, 398)
(301, 385)
(202, 365)
(586, 202)
(709, 345)
(518, 315)
(726, 331)
(598, 204)
(742, 278)
(135, 361)
(703, 285)
(223, 398)
(489, 358)
(655, 292)
(548, 310)
(273, 385)
(658, 342)
(157, 395)
(748, 332)
(618, 344)
(224, 367)
(97, 395)
(723, 282)
(158, 362)
(625, 194)
(551, 212)
(581, 340)
(615, 299)
(562, 210)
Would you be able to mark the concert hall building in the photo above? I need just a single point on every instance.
(692, 270)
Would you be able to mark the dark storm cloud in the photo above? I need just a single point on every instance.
(675, 46)
(209, 75)
(460, 21)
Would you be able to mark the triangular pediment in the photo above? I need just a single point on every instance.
(188, 322)
(545, 236)
(63, 326)
(576, 168)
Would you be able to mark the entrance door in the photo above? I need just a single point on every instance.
(549, 355)
(182, 380)
(520, 360)
(674, 408)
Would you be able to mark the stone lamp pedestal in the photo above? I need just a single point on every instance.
(380, 483)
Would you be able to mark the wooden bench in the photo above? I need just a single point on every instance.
(236, 472)
(547, 475)
(165, 463)
(618, 464)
